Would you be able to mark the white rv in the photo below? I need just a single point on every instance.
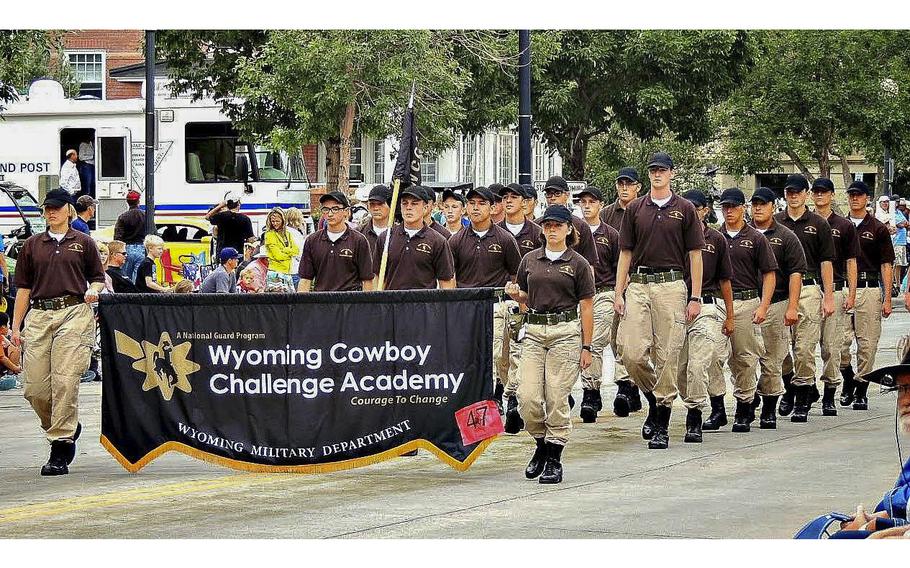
(198, 159)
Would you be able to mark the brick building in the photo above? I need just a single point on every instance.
(93, 54)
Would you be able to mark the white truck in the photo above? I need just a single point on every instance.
(199, 157)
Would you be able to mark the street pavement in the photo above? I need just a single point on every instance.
(762, 484)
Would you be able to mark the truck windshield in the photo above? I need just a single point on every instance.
(30, 210)
(276, 166)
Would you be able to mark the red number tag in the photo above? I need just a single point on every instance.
(478, 421)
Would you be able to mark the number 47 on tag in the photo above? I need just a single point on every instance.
(478, 421)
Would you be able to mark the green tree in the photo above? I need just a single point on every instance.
(26, 55)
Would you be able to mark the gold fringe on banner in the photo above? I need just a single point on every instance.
(314, 468)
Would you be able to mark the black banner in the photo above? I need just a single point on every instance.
(407, 166)
(298, 382)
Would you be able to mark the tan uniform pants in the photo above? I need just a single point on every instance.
(651, 334)
(866, 327)
(549, 367)
(776, 337)
(744, 349)
(805, 337)
(57, 349)
(500, 359)
(832, 339)
(619, 370)
(603, 337)
(702, 348)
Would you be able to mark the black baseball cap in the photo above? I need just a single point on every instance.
(592, 191)
(557, 183)
(823, 183)
(559, 213)
(660, 160)
(628, 173)
(58, 198)
(413, 191)
(512, 188)
(335, 196)
(765, 195)
(481, 192)
(859, 186)
(530, 192)
(796, 181)
(428, 194)
(696, 197)
(380, 193)
(454, 195)
(732, 196)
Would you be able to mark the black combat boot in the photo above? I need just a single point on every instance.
(552, 472)
(786, 401)
(634, 397)
(71, 448)
(693, 426)
(768, 419)
(741, 418)
(514, 423)
(589, 405)
(814, 394)
(848, 388)
(661, 438)
(647, 429)
(801, 406)
(718, 417)
(56, 463)
(622, 404)
(538, 460)
(756, 403)
(860, 401)
(828, 406)
(598, 401)
(497, 396)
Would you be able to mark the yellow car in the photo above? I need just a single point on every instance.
(188, 248)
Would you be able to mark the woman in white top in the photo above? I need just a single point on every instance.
(298, 230)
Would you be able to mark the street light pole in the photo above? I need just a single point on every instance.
(524, 106)
(150, 132)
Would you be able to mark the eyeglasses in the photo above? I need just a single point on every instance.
(333, 209)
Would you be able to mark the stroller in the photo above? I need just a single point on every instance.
(193, 269)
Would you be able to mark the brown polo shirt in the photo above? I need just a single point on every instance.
(715, 263)
(612, 214)
(750, 257)
(416, 262)
(51, 269)
(439, 228)
(484, 262)
(814, 234)
(528, 238)
(555, 286)
(788, 252)
(846, 244)
(368, 231)
(660, 237)
(606, 239)
(338, 266)
(585, 246)
(875, 246)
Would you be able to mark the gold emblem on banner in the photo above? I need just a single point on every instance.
(166, 366)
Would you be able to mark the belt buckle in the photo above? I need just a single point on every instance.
(47, 304)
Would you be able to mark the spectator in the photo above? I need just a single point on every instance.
(85, 211)
(11, 356)
(222, 280)
(298, 231)
(232, 228)
(104, 251)
(86, 167)
(183, 287)
(281, 248)
(116, 258)
(69, 174)
(146, 280)
(4, 279)
(130, 228)
(900, 248)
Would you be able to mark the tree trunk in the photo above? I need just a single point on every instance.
(332, 146)
(573, 159)
(794, 157)
(845, 170)
(344, 149)
(824, 164)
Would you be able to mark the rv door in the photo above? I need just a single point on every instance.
(112, 162)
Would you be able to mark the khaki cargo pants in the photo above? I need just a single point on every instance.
(619, 370)
(776, 337)
(866, 327)
(603, 336)
(742, 352)
(549, 367)
(832, 339)
(57, 349)
(702, 348)
(651, 334)
(500, 331)
(805, 337)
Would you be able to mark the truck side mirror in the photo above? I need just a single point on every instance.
(242, 168)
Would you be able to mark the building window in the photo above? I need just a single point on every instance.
(379, 161)
(551, 162)
(355, 171)
(505, 170)
(540, 157)
(428, 169)
(89, 71)
(468, 154)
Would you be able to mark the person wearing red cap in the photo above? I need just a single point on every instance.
(130, 228)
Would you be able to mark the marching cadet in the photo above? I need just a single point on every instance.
(487, 256)
(557, 285)
(606, 239)
(846, 251)
(337, 258)
(429, 198)
(419, 257)
(498, 213)
(816, 300)
(628, 398)
(380, 215)
(874, 270)
(557, 192)
(783, 313)
(704, 338)
(753, 266)
(453, 205)
(527, 235)
(530, 204)
(658, 231)
(58, 276)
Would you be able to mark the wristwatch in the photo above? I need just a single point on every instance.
(587, 347)
(695, 299)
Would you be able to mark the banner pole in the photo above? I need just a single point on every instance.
(388, 236)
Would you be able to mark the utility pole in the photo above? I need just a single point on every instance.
(524, 107)
(150, 132)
